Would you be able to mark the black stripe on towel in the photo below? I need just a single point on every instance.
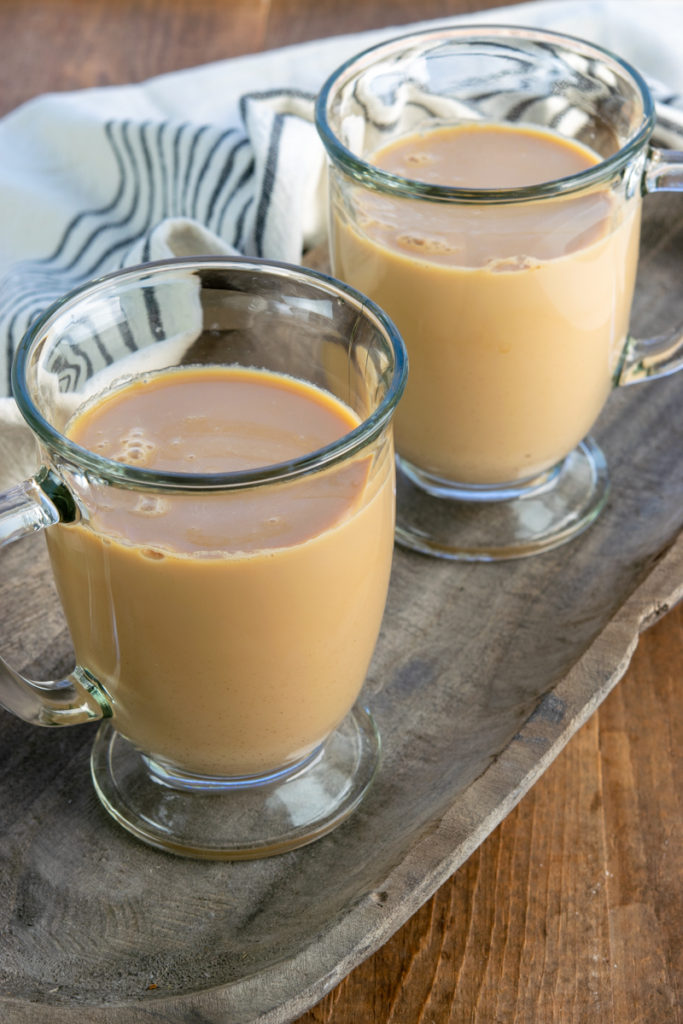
(268, 182)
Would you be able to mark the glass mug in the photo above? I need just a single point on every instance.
(223, 622)
(513, 301)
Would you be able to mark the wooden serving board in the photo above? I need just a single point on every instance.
(481, 675)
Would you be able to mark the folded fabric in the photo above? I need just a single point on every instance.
(222, 158)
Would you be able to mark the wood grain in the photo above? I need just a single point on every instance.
(52, 45)
(571, 910)
(293, 21)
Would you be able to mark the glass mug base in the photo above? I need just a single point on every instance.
(494, 524)
(242, 818)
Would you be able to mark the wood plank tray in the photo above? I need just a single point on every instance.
(481, 675)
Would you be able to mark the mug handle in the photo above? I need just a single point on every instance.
(34, 505)
(661, 355)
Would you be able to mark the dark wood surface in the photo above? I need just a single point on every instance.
(571, 910)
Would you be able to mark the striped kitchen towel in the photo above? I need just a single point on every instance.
(222, 158)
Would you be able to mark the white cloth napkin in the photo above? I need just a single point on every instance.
(219, 158)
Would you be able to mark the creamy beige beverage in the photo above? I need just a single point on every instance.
(233, 631)
(514, 315)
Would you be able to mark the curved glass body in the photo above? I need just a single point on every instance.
(485, 190)
(222, 619)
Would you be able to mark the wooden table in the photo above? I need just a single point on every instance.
(570, 911)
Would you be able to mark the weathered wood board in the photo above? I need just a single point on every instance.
(481, 674)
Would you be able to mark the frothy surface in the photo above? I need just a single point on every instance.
(219, 420)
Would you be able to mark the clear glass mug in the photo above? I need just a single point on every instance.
(226, 668)
(513, 302)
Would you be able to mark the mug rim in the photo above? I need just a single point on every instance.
(124, 474)
(385, 181)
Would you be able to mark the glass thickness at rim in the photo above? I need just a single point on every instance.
(384, 181)
(131, 476)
